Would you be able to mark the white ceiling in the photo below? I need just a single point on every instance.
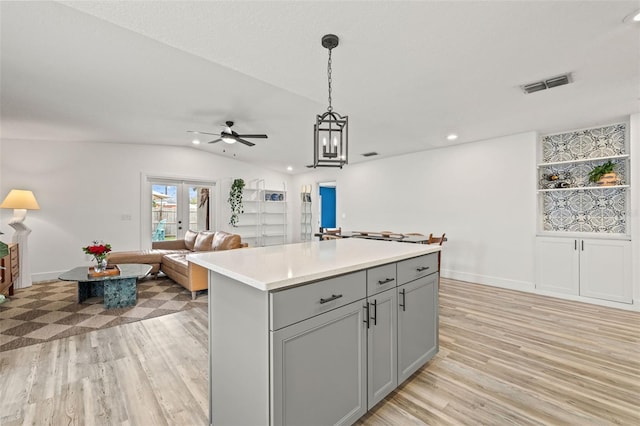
(406, 73)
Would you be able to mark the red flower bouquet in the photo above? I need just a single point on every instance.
(99, 252)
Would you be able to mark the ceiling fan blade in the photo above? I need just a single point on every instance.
(245, 142)
(253, 136)
(203, 133)
(214, 141)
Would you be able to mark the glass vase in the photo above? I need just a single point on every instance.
(101, 265)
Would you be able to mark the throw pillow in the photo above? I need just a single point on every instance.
(190, 239)
(203, 241)
(226, 241)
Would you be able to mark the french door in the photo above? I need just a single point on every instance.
(179, 205)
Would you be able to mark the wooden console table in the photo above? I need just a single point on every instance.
(9, 270)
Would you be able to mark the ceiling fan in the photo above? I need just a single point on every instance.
(229, 136)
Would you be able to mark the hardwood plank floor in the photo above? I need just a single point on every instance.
(508, 357)
(505, 357)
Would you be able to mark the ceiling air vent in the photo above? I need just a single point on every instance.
(369, 154)
(560, 80)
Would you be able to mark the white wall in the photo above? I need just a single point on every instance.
(481, 194)
(85, 189)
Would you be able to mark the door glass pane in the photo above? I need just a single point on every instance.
(163, 212)
(200, 208)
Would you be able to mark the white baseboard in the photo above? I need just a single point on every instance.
(488, 280)
(46, 276)
(530, 287)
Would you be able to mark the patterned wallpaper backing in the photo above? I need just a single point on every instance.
(600, 209)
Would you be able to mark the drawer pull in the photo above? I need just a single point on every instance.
(329, 299)
(386, 280)
(422, 268)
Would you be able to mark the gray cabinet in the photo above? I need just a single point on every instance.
(319, 369)
(382, 345)
(323, 352)
(417, 324)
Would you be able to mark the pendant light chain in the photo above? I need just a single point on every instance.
(329, 79)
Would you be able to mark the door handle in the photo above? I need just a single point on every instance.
(575, 244)
(582, 244)
(403, 305)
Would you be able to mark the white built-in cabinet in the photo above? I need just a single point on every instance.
(589, 267)
(583, 245)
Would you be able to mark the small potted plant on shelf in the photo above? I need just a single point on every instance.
(604, 174)
(235, 201)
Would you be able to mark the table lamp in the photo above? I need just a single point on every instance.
(20, 201)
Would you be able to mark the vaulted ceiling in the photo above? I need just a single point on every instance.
(406, 73)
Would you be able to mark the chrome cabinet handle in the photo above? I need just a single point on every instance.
(386, 280)
(329, 299)
(422, 268)
(403, 305)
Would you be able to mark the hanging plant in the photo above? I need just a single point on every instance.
(235, 201)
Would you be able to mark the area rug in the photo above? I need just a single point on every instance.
(49, 311)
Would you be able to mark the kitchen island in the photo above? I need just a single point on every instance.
(316, 332)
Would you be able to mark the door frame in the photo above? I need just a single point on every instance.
(146, 180)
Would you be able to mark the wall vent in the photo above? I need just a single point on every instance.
(549, 83)
(369, 154)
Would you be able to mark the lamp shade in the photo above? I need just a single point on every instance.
(20, 199)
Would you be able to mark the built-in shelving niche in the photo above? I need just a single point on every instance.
(570, 203)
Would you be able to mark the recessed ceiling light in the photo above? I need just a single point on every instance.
(289, 168)
(195, 142)
(452, 137)
(637, 17)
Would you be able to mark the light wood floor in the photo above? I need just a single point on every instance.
(505, 358)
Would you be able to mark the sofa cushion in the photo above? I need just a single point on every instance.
(176, 262)
(190, 239)
(226, 241)
(204, 241)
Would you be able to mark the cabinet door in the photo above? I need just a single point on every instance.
(558, 265)
(605, 270)
(417, 324)
(319, 369)
(382, 345)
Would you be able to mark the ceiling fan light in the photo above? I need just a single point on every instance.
(228, 139)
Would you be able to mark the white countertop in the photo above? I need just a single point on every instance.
(276, 267)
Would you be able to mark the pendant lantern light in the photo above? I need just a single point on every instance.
(331, 131)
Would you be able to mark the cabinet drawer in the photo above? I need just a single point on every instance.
(381, 278)
(411, 269)
(299, 303)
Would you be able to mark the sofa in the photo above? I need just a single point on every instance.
(169, 257)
